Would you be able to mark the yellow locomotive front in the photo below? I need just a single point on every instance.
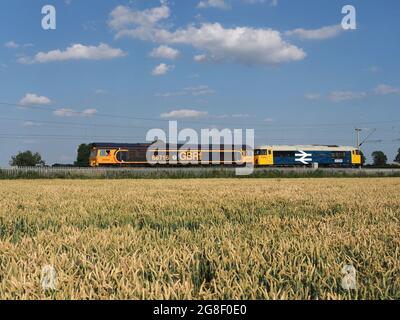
(103, 157)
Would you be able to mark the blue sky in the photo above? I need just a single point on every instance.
(114, 69)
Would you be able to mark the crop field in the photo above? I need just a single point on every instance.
(200, 239)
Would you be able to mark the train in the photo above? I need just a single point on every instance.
(154, 154)
(304, 155)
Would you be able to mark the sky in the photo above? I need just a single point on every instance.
(111, 70)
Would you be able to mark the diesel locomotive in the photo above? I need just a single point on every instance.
(145, 154)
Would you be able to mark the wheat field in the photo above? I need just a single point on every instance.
(200, 239)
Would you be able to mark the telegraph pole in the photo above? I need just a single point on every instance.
(358, 130)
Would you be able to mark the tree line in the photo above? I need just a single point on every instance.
(31, 159)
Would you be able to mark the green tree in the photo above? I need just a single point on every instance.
(397, 157)
(82, 159)
(379, 158)
(27, 159)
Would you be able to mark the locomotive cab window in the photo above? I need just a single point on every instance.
(105, 153)
(261, 152)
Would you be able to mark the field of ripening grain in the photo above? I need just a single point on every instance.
(200, 239)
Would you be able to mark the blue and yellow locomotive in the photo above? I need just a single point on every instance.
(328, 156)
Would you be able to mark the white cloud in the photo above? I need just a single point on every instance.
(236, 116)
(317, 34)
(384, 89)
(100, 91)
(201, 58)
(123, 16)
(220, 4)
(241, 115)
(89, 112)
(14, 45)
(165, 52)
(243, 44)
(76, 52)
(67, 112)
(162, 69)
(31, 124)
(269, 120)
(224, 5)
(312, 96)
(24, 60)
(272, 3)
(34, 99)
(11, 45)
(199, 91)
(196, 91)
(339, 96)
(246, 45)
(184, 113)
(170, 94)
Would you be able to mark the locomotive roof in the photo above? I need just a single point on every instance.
(146, 145)
(309, 148)
(273, 147)
(118, 145)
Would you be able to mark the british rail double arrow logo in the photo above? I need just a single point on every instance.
(303, 157)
